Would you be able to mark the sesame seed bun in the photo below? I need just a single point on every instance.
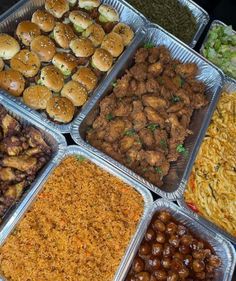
(113, 43)
(108, 14)
(12, 81)
(37, 96)
(75, 92)
(8, 46)
(44, 47)
(63, 34)
(80, 20)
(52, 78)
(26, 62)
(44, 20)
(66, 63)
(60, 109)
(82, 47)
(102, 60)
(95, 33)
(57, 7)
(125, 32)
(89, 4)
(26, 31)
(86, 77)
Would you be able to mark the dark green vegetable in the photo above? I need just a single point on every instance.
(171, 15)
(130, 133)
(182, 150)
(109, 117)
(158, 170)
(149, 45)
(153, 127)
(175, 99)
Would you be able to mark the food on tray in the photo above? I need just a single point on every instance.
(75, 92)
(125, 32)
(107, 14)
(8, 46)
(170, 251)
(44, 47)
(26, 31)
(57, 7)
(63, 34)
(82, 47)
(23, 153)
(60, 109)
(172, 15)
(12, 81)
(89, 4)
(220, 48)
(102, 60)
(37, 96)
(144, 122)
(2, 64)
(52, 78)
(66, 63)
(78, 228)
(86, 77)
(80, 20)
(95, 33)
(44, 20)
(211, 187)
(26, 62)
(113, 43)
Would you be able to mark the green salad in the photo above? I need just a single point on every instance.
(220, 48)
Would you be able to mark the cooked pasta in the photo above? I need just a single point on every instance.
(211, 189)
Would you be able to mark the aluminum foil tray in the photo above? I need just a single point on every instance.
(221, 246)
(229, 87)
(213, 24)
(147, 197)
(24, 10)
(174, 182)
(57, 143)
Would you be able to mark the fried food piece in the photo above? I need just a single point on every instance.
(7, 174)
(141, 55)
(23, 163)
(11, 145)
(154, 101)
(187, 70)
(10, 126)
(114, 130)
(146, 137)
(153, 158)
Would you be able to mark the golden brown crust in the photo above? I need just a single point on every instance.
(95, 33)
(65, 62)
(125, 32)
(26, 31)
(52, 78)
(82, 47)
(113, 43)
(63, 34)
(8, 46)
(80, 18)
(102, 60)
(37, 96)
(75, 92)
(57, 7)
(44, 20)
(12, 81)
(44, 47)
(86, 77)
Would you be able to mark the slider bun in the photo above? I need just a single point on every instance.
(12, 81)
(86, 77)
(89, 4)
(57, 7)
(52, 78)
(37, 96)
(44, 47)
(26, 31)
(44, 20)
(82, 47)
(75, 92)
(26, 62)
(80, 20)
(2, 64)
(8, 46)
(102, 60)
(65, 62)
(125, 32)
(108, 14)
(95, 33)
(113, 43)
(60, 109)
(63, 34)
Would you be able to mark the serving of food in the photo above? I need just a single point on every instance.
(54, 61)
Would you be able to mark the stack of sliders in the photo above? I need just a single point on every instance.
(55, 61)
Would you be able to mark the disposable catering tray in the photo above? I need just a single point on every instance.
(229, 87)
(174, 182)
(24, 10)
(57, 143)
(146, 195)
(221, 246)
(213, 24)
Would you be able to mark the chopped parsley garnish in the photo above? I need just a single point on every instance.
(149, 45)
(175, 99)
(153, 127)
(80, 158)
(109, 117)
(163, 144)
(130, 133)
(158, 170)
(181, 149)
(181, 82)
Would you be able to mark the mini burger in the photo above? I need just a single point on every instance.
(82, 47)
(66, 63)
(80, 20)
(102, 60)
(89, 4)
(26, 62)
(44, 47)
(86, 77)
(52, 78)
(63, 34)
(26, 31)
(95, 33)
(44, 20)
(37, 96)
(8, 46)
(107, 14)
(60, 109)
(125, 32)
(113, 43)
(57, 7)
(75, 92)
(12, 81)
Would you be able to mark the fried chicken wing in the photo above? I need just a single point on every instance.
(11, 146)
(146, 137)
(153, 116)
(114, 130)
(187, 70)
(107, 104)
(7, 174)
(153, 158)
(155, 69)
(154, 101)
(23, 163)
(10, 126)
(141, 55)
